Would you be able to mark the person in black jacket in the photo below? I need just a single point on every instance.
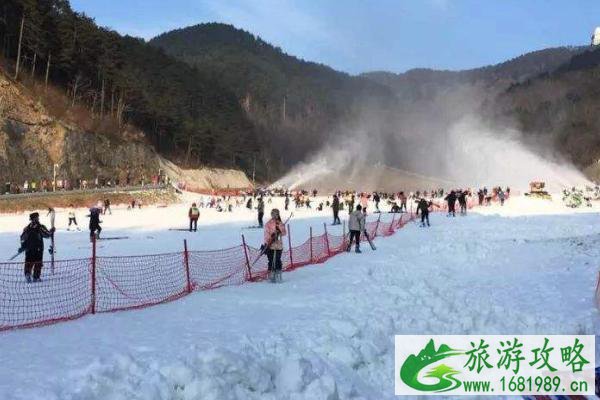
(376, 199)
(335, 206)
(32, 243)
(451, 199)
(462, 201)
(261, 211)
(95, 228)
(423, 208)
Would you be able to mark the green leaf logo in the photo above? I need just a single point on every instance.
(409, 372)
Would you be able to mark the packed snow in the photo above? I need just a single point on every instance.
(328, 331)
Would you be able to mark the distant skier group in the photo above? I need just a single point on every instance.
(274, 229)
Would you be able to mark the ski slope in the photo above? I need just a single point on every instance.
(325, 333)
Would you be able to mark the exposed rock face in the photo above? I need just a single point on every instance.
(31, 142)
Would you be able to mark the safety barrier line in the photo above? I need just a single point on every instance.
(144, 281)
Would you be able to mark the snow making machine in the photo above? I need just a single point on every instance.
(536, 189)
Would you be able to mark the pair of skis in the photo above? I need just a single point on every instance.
(368, 240)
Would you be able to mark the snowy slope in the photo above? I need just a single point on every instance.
(327, 332)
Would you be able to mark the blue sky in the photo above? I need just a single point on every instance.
(362, 35)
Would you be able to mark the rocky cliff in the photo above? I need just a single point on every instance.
(32, 141)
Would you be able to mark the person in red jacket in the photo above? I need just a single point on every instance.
(274, 231)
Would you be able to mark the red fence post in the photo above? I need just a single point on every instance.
(344, 234)
(311, 250)
(327, 240)
(376, 227)
(392, 224)
(247, 259)
(289, 232)
(93, 283)
(186, 263)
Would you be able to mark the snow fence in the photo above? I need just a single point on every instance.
(71, 289)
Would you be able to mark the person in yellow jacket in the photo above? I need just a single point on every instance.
(194, 214)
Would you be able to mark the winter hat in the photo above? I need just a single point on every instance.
(33, 216)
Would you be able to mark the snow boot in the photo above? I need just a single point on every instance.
(278, 277)
(28, 278)
(358, 250)
(273, 276)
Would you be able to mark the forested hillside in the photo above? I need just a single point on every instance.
(419, 84)
(183, 112)
(214, 95)
(562, 105)
(551, 96)
(297, 105)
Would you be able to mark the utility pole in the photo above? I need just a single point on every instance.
(19, 49)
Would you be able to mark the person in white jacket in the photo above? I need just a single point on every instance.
(356, 225)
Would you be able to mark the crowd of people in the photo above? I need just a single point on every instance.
(356, 203)
(60, 184)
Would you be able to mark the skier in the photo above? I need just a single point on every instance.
(52, 215)
(335, 206)
(261, 211)
(402, 197)
(376, 199)
(501, 196)
(356, 225)
(462, 201)
(107, 207)
(32, 242)
(95, 228)
(351, 204)
(287, 201)
(249, 203)
(72, 219)
(364, 201)
(274, 231)
(480, 197)
(423, 207)
(193, 215)
(451, 199)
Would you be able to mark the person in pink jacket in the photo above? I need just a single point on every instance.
(364, 201)
(274, 231)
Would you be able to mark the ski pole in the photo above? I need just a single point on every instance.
(15, 256)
